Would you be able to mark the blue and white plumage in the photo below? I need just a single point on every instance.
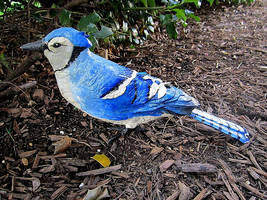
(114, 93)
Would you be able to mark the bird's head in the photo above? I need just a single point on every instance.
(61, 46)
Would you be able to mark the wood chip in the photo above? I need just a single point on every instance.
(185, 193)
(104, 138)
(240, 161)
(59, 192)
(36, 162)
(100, 171)
(121, 174)
(27, 154)
(203, 194)
(228, 196)
(20, 196)
(253, 160)
(35, 182)
(149, 187)
(260, 171)
(198, 168)
(16, 127)
(232, 179)
(166, 165)
(174, 195)
(61, 155)
(229, 188)
(38, 95)
(156, 150)
(48, 169)
(253, 173)
(254, 190)
(227, 171)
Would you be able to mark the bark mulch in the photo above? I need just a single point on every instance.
(221, 61)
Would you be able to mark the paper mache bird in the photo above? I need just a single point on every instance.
(114, 93)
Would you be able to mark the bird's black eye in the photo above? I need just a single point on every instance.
(56, 45)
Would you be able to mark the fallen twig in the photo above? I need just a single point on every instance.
(198, 168)
(203, 194)
(253, 160)
(23, 67)
(253, 190)
(15, 89)
(100, 171)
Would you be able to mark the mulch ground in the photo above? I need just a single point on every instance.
(221, 61)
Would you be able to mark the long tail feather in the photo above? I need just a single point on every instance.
(222, 125)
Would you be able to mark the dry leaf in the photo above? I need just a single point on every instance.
(62, 145)
(102, 159)
(96, 194)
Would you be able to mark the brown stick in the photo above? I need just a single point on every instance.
(254, 190)
(253, 160)
(100, 171)
(23, 67)
(17, 89)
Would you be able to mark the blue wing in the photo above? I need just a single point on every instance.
(110, 91)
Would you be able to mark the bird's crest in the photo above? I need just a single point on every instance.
(77, 38)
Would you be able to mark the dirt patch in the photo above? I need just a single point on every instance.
(221, 61)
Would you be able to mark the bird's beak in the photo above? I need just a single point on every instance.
(38, 45)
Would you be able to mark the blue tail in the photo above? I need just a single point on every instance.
(229, 128)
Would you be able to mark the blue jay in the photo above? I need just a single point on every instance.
(114, 93)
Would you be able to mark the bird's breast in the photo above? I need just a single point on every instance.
(64, 85)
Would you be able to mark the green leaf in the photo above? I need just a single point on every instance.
(211, 2)
(104, 32)
(91, 28)
(194, 17)
(171, 30)
(189, 13)
(151, 3)
(165, 19)
(92, 18)
(196, 2)
(180, 14)
(64, 18)
(144, 2)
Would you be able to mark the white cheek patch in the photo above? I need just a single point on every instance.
(121, 88)
(60, 40)
(157, 87)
